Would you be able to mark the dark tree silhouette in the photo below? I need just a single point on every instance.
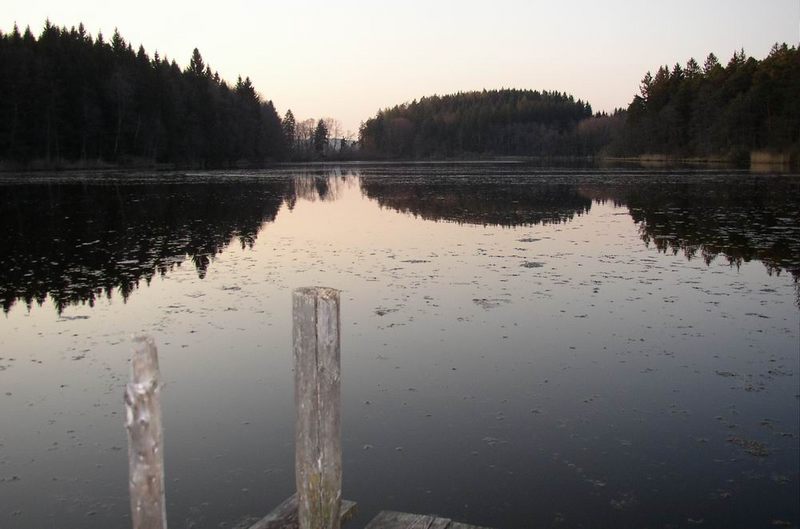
(320, 137)
(717, 111)
(66, 97)
(496, 122)
(289, 130)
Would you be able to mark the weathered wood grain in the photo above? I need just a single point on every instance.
(284, 516)
(400, 520)
(145, 438)
(318, 447)
(459, 525)
(440, 523)
(403, 520)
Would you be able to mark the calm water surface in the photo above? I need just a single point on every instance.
(521, 347)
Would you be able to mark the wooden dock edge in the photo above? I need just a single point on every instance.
(284, 516)
(403, 520)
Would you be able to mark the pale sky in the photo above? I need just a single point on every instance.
(346, 59)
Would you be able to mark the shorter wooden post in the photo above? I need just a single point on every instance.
(145, 438)
(318, 443)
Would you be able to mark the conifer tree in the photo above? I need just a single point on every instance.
(289, 125)
(320, 137)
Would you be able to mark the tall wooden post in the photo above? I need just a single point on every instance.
(318, 443)
(145, 438)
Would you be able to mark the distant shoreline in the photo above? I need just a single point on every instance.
(759, 162)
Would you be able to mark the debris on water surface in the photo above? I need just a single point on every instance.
(489, 303)
(726, 374)
(532, 264)
(623, 501)
(754, 448)
(720, 494)
(780, 479)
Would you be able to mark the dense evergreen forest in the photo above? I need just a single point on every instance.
(66, 96)
(69, 98)
(686, 111)
(491, 122)
(715, 110)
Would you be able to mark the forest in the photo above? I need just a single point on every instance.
(69, 98)
(66, 96)
(492, 122)
(708, 111)
(717, 111)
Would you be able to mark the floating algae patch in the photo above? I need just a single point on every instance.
(754, 448)
(489, 303)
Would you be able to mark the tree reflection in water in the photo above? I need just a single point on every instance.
(77, 241)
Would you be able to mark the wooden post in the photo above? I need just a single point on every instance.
(318, 443)
(145, 438)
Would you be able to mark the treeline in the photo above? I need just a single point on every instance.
(69, 98)
(490, 122)
(715, 110)
(312, 139)
(708, 111)
(66, 96)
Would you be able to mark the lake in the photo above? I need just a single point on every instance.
(521, 346)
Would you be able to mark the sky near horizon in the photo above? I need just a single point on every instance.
(347, 59)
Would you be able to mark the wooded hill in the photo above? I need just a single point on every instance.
(491, 122)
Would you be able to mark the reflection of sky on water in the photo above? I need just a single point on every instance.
(509, 376)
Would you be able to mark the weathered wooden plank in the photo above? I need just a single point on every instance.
(458, 525)
(145, 438)
(403, 520)
(440, 523)
(394, 520)
(284, 516)
(318, 445)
